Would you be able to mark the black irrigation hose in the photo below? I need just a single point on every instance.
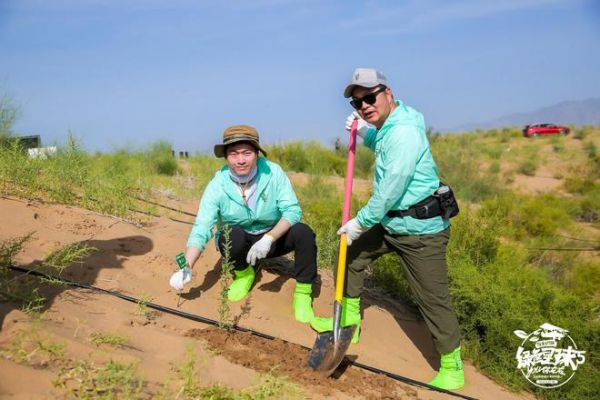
(154, 215)
(238, 328)
(164, 206)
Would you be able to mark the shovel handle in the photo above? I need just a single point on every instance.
(341, 268)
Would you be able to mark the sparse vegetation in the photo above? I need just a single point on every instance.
(268, 386)
(32, 347)
(528, 167)
(109, 338)
(111, 381)
(23, 289)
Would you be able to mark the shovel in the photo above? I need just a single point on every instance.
(330, 347)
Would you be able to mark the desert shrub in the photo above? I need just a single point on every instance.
(458, 166)
(322, 207)
(583, 279)
(528, 166)
(388, 274)
(541, 216)
(494, 167)
(160, 159)
(578, 184)
(590, 149)
(586, 207)
(314, 158)
(364, 162)
(527, 216)
(9, 114)
(582, 132)
(494, 152)
(506, 295)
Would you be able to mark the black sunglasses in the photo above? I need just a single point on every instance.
(370, 98)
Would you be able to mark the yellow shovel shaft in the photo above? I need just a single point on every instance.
(341, 269)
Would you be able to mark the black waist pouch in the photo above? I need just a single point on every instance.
(441, 203)
(448, 204)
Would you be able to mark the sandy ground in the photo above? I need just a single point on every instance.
(138, 262)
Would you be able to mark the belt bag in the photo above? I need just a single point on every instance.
(441, 203)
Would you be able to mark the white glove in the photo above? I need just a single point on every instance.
(361, 128)
(181, 278)
(260, 249)
(352, 229)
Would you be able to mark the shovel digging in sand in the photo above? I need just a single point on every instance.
(330, 347)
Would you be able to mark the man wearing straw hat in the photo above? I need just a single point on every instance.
(255, 198)
(406, 214)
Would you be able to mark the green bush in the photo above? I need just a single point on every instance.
(527, 216)
(160, 159)
(583, 279)
(322, 207)
(582, 132)
(586, 207)
(494, 167)
(9, 114)
(458, 166)
(528, 167)
(314, 158)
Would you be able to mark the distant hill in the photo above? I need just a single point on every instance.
(582, 112)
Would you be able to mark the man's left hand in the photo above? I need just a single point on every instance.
(352, 229)
(260, 249)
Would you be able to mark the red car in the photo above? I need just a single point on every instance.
(544, 129)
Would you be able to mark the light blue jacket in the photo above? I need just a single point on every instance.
(405, 173)
(222, 204)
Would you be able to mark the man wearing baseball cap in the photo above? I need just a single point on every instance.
(402, 216)
(255, 198)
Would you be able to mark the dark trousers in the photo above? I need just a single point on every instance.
(424, 264)
(299, 238)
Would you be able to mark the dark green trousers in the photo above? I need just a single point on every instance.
(424, 262)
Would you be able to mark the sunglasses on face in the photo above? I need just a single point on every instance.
(370, 98)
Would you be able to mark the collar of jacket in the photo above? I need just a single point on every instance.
(402, 115)
(263, 176)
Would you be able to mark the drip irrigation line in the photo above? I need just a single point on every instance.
(158, 216)
(204, 320)
(564, 248)
(164, 206)
(579, 239)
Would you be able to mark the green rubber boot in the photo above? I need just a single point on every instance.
(241, 284)
(303, 311)
(350, 316)
(451, 374)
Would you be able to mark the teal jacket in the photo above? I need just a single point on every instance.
(405, 173)
(222, 204)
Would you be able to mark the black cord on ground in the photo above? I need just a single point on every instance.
(164, 206)
(238, 328)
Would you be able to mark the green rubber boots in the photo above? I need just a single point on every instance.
(303, 311)
(350, 316)
(242, 282)
(451, 374)
(244, 279)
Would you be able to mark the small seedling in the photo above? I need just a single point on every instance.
(142, 307)
(226, 278)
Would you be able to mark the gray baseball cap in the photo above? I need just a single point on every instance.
(365, 77)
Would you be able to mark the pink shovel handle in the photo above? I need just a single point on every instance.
(349, 173)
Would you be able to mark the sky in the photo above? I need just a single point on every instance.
(126, 73)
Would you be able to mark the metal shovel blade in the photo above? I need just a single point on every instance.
(330, 347)
(327, 353)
